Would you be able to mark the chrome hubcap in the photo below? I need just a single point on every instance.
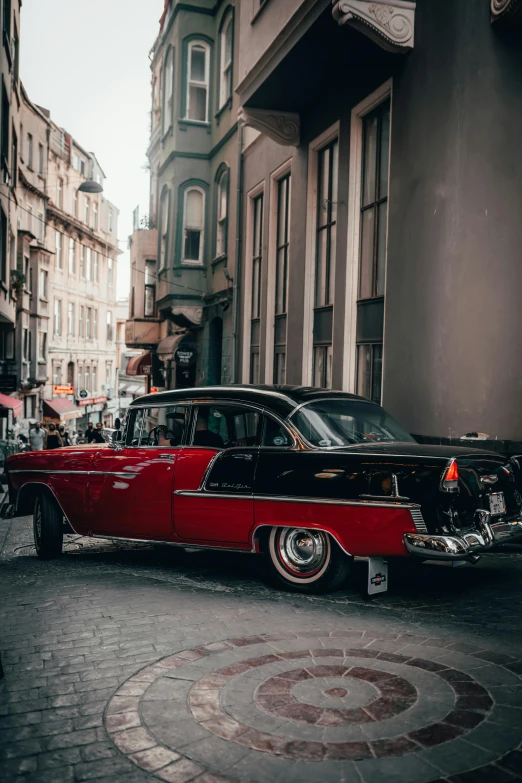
(302, 551)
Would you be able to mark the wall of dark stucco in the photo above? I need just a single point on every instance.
(453, 328)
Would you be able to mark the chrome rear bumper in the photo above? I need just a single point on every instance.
(470, 541)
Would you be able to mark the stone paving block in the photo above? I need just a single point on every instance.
(215, 753)
(93, 770)
(18, 766)
(99, 750)
(180, 771)
(59, 758)
(14, 750)
(73, 739)
(154, 758)
(458, 756)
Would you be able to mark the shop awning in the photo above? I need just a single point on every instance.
(131, 388)
(139, 365)
(16, 406)
(61, 409)
(167, 346)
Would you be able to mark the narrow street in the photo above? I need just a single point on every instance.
(126, 662)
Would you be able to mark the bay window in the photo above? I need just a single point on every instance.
(168, 91)
(222, 214)
(193, 226)
(164, 227)
(198, 78)
(226, 45)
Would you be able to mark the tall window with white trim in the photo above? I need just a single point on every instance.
(164, 227)
(168, 91)
(222, 214)
(372, 250)
(255, 312)
(72, 253)
(198, 78)
(58, 257)
(281, 278)
(193, 226)
(226, 46)
(325, 242)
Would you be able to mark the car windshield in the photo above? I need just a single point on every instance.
(344, 422)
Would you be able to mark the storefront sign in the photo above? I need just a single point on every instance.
(185, 354)
(63, 389)
(83, 394)
(91, 400)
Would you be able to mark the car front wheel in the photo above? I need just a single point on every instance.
(306, 561)
(47, 527)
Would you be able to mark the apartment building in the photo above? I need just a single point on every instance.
(34, 258)
(81, 275)
(184, 254)
(10, 99)
(382, 233)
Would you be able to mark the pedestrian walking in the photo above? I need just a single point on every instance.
(66, 440)
(53, 439)
(37, 437)
(98, 434)
(90, 432)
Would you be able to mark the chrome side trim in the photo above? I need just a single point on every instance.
(55, 472)
(120, 474)
(200, 494)
(285, 524)
(289, 499)
(335, 502)
(184, 544)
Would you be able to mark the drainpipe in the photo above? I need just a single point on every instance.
(237, 256)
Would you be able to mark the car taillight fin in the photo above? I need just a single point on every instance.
(450, 479)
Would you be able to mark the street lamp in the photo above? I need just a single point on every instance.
(90, 186)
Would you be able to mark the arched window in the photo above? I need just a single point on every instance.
(193, 226)
(164, 227)
(198, 79)
(168, 91)
(222, 213)
(226, 51)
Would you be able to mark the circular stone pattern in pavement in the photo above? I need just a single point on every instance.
(254, 707)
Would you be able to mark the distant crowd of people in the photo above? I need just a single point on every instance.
(53, 437)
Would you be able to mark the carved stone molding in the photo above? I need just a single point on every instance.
(506, 10)
(281, 126)
(389, 23)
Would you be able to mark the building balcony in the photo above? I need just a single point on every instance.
(142, 332)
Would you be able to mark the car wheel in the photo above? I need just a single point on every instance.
(47, 527)
(306, 561)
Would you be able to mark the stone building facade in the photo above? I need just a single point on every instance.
(82, 238)
(382, 234)
(10, 100)
(193, 157)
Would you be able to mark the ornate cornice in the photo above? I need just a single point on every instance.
(506, 9)
(389, 23)
(281, 126)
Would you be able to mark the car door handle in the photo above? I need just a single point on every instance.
(248, 457)
(169, 457)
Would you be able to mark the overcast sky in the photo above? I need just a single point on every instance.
(87, 62)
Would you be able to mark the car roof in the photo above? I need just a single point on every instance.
(281, 399)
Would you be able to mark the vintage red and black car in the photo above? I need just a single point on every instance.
(308, 478)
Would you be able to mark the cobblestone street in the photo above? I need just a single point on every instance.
(125, 662)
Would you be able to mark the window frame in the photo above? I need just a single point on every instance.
(165, 100)
(196, 404)
(350, 345)
(201, 260)
(280, 175)
(315, 147)
(252, 195)
(206, 46)
(224, 97)
(221, 221)
(164, 227)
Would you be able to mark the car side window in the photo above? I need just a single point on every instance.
(225, 426)
(163, 426)
(134, 426)
(274, 434)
